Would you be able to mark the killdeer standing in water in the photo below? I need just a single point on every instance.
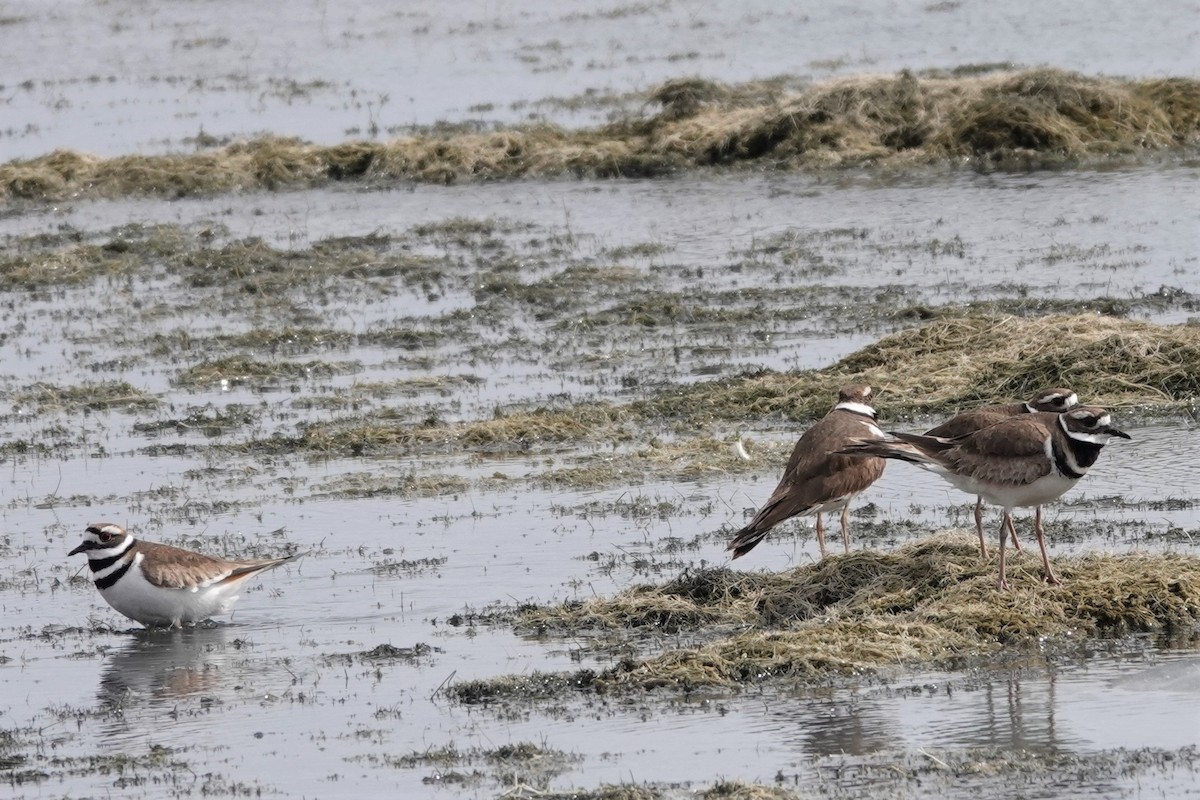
(816, 478)
(1026, 460)
(1053, 400)
(163, 586)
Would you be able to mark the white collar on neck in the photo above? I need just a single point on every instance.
(857, 408)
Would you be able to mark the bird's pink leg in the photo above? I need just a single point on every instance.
(979, 526)
(1006, 525)
(821, 534)
(1047, 573)
(846, 527)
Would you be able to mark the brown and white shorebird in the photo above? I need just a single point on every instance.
(1026, 460)
(163, 586)
(817, 479)
(1052, 400)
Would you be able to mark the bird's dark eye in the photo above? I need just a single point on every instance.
(105, 537)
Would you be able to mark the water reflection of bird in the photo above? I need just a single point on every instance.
(816, 478)
(847, 724)
(1008, 711)
(1051, 400)
(158, 666)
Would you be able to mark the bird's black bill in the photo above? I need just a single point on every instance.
(83, 547)
(1111, 431)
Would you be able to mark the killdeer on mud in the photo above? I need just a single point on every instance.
(1052, 400)
(817, 479)
(163, 586)
(1026, 460)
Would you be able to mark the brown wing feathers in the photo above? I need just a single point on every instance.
(1011, 452)
(815, 475)
(175, 568)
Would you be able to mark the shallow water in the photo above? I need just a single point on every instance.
(326, 719)
(146, 78)
(280, 697)
(393, 570)
(1124, 236)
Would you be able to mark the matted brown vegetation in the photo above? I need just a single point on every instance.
(1024, 119)
(940, 367)
(933, 602)
(958, 362)
(95, 396)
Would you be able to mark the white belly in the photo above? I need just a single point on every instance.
(1043, 490)
(143, 602)
(835, 504)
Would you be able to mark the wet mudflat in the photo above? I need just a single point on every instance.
(178, 380)
(492, 411)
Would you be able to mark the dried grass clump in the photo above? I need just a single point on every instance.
(735, 790)
(519, 431)
(697, 458)
(47, 397)
(933, 602)
(1012, 119)
(958, 362)
(683, 97)
(1023, 119)
(1177, 99)
(697, 597)
(239, 369)
(1108, 361)
(370, 484)
(1052, 112)
(860, 118)
(74, 265)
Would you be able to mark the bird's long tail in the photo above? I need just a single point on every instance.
(911, 447)
(252, 568)
(747, 538)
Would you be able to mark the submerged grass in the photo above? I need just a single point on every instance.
(505, 432)
(940, 367)
(932, 602)
(238, 370)
(88, 397)
(368, 484)
(1022, 119)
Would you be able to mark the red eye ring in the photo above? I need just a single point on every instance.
(105, 537)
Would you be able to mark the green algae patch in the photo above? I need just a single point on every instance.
(931, 603)
(1030, 118)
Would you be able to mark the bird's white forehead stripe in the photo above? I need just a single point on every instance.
(1069, 401)
(110, 551)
